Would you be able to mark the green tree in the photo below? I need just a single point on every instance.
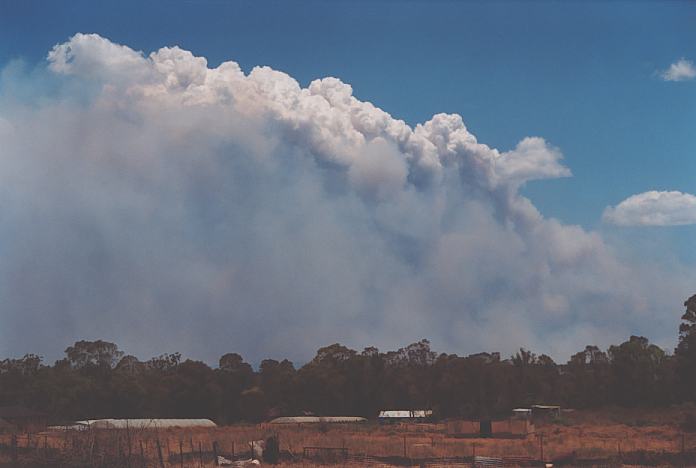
(86, 354)
(636, 376)
(586, 378)
(686, 352)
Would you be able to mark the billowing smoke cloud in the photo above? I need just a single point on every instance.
(654, 208)
(167, 206)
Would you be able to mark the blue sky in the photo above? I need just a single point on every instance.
(585, 76)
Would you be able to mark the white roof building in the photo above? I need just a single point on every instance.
(141, 423)
(405, 414)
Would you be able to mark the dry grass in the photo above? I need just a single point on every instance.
(596, 434)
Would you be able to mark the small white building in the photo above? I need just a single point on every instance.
(404, 415)
(522, 413)
(546, 411)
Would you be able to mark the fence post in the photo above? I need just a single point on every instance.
(142, 454)
(92, 444)
(130, 446)
(14, 448)
(215, 455)
(159, 454)
(200, 453)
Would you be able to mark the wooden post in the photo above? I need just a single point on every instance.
(159, 454)
(215, 455)
(181, 453)
(14, 448)
(142, 454)
(541, 447)
(233, 450)
(404, 446)
(200, 453)
(130, 446)
(91, 447)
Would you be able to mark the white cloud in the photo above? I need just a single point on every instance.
(221, 210)
(681, 70)
(654, 208)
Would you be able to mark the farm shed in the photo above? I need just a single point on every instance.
(144, 423)
(512, 428)
(23, 418)
(74, 426)
(316, 419)
(404, 415)
(463, 428)
(505, 428)
(546, 411)
(522, 413)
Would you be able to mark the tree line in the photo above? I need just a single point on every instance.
(96, 379)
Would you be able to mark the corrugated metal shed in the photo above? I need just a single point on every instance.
(316, 419)
(144, 423)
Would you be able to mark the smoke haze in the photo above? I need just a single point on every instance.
(154, 202)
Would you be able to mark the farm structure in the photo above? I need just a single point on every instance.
(522, 413)
(546, 411)
(404, 415)
(138, 424)
(506, 428)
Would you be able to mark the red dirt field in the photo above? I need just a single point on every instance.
(650, 437)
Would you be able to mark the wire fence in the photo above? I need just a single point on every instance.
(198, 449)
